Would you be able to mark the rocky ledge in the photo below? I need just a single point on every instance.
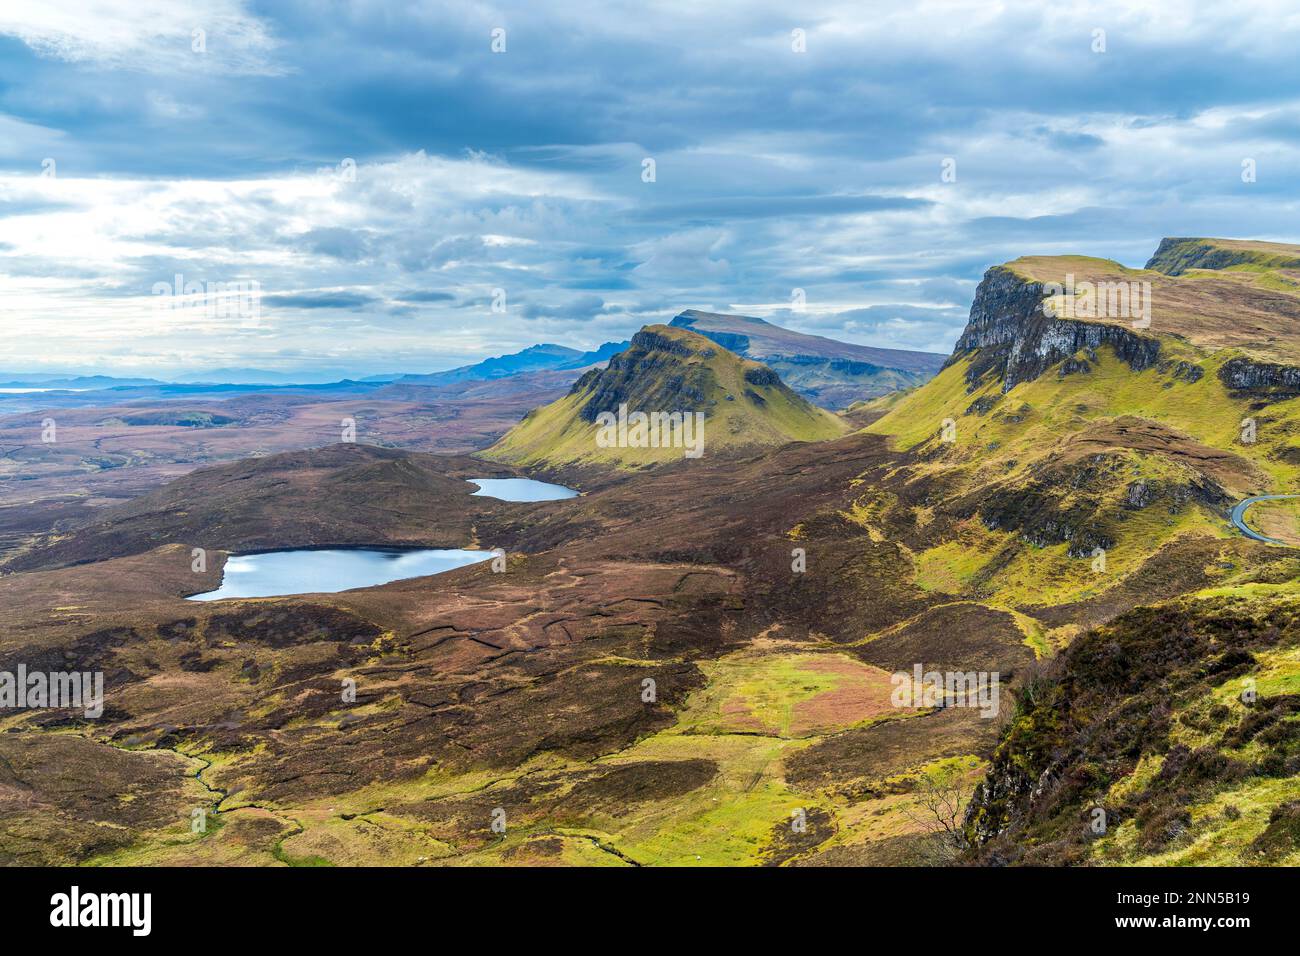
(1264, 380)
(1017, 341)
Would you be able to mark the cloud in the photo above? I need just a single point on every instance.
(30, 205)
(350, 244)
(762, 207)
(473, 172)
(580, 309)
(319, 300)
(424, 295)
(146, 35)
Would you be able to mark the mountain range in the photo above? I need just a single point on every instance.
(535, 358)
(828, 373)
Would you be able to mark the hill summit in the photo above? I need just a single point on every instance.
(672, 394)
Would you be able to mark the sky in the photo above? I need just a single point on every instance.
(354, 188)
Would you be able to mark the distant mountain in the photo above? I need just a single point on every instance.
(18, 380)
(828, 373)
(602, 354)
(1176, 256)
(535, 358)
(539, 369)
(242, 376)
(743, 406)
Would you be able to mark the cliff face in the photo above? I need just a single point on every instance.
(1018, 341)
(1265, 380)
(1175, 256)
(650, 373)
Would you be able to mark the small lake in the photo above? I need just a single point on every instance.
(305, 572)
(520, 489)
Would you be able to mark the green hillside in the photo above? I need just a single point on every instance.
(1020, 472)
(745, 407)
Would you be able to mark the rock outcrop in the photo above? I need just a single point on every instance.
(650, 374)
(1018, 341)
(1260, 379)
(673, 382)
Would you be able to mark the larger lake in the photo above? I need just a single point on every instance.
(521, 489)
(307, 572)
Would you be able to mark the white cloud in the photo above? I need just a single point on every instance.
(148, 35)
(81, 256)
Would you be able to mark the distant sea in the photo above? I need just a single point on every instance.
(25, 391)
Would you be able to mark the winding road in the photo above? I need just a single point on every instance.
(1239, 514)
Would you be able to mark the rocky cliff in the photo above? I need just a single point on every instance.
(1017, 340)
(650, 373)
(1263, 380)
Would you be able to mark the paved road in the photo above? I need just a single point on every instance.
(1239, 514)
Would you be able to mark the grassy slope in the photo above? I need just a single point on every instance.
(1005, 447)
(1146, 719)
(1213, 812)
(555, 435)
(760, 705)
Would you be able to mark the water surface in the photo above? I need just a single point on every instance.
(521, 489)
(306, 572)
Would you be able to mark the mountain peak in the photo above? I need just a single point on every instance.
(687, 318)
(666, 372)
(548, 348)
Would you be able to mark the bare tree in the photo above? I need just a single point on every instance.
(940, 804)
